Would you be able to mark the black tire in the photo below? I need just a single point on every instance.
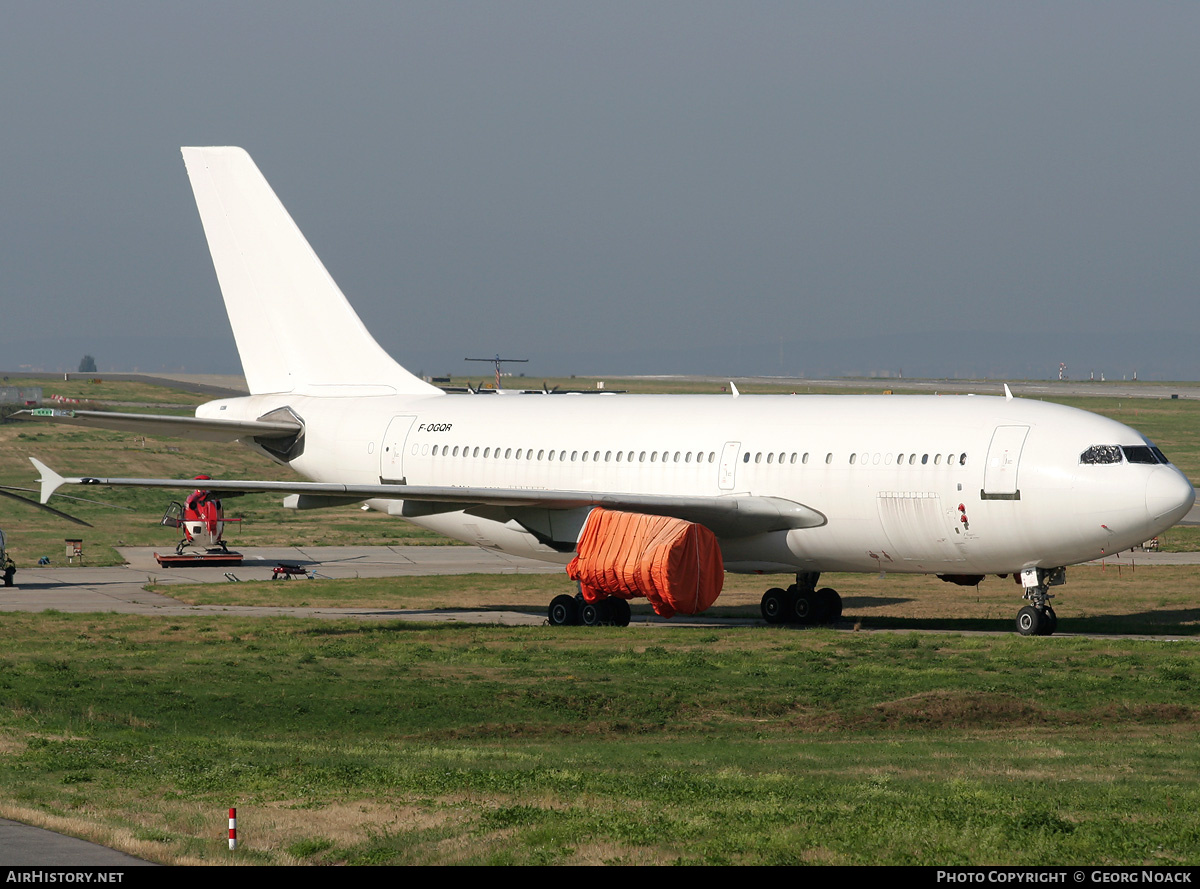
(831, 603)
(594, 614)
(806, 608)
(775, 606)
(619, 612)
(1050, 621)
(563, 611)
(1030, 621)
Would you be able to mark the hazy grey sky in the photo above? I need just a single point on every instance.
(972, 188)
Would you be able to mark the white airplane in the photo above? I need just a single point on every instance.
(957, 486)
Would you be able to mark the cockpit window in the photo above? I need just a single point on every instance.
(1101, 454)
(1139, 454)
(1162, 458)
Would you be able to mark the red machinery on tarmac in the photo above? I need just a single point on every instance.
(203, 521)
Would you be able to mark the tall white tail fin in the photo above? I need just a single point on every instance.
(295, 331)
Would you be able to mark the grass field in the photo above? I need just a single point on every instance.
(352, 743)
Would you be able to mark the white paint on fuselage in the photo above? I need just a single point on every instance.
(896, 507)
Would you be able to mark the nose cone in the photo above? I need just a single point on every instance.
(1169, 496)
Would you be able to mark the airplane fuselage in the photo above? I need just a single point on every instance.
(959, 485)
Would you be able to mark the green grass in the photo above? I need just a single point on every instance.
(351, 743)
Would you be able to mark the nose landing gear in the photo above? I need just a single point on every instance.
(1038, 618)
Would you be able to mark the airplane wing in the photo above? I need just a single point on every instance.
(176, 427)
(734, 515)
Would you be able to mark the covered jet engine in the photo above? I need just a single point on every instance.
(676, 565)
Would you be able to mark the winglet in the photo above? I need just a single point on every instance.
(51, 480)
(1008, 396)
(733, 389)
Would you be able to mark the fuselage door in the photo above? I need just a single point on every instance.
(1003, 459)
(728, 467)
(391, 454)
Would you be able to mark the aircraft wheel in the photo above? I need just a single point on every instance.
(619, 611)
(1030, 621)
(775, 606)
(1050, 621)
(594, 614)
(806, 608)
(564, 611)
(831, 603)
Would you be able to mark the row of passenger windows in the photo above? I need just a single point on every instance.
(865, 458)
(677, 456)
(575, 456)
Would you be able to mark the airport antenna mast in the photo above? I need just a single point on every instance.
(497, 361)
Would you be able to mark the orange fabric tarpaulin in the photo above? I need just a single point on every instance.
(675, 564)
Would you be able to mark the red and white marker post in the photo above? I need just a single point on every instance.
(232, 829)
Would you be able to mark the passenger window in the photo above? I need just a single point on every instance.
(924, 459)
(828, 458)
(770, 458)
(746, 457)
(962, 460)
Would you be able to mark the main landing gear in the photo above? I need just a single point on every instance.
(1038, 618)
(570, 611)
(802, 603)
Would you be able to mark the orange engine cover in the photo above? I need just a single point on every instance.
(675, 564)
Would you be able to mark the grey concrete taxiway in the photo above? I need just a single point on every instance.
(22, 845)
(122, 589)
